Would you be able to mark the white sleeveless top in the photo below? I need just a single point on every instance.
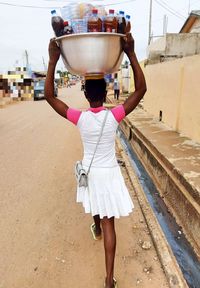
(90, 125)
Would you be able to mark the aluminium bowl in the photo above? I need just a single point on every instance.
(93, 53)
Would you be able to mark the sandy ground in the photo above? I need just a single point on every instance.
(45, 238)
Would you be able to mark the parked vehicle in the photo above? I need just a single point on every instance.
(39, 89)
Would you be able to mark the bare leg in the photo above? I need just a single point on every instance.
(108, 226)
(97, 222)
(117, 94)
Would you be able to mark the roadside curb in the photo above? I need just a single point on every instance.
(4, 101)
(158, 166)
(167, 176)
(7, 101)
(168, 261)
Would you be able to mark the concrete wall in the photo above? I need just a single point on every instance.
(174, 89)
(157, 48)
(131, 84)
(174, 45)
(183, 44)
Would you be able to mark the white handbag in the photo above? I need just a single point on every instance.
(80, 173)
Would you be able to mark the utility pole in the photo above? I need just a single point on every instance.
(189, 5)
(44, 64)
(150, 21)
(27, 61)
(165, 24)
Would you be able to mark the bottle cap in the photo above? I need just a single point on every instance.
(128, 17)
(66, 23)
(94, 11)
(121, 12)
(53, 12)
(111, 11)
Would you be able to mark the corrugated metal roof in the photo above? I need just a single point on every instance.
(195, 13)
(191, 18)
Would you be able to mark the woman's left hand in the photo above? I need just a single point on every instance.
(54, 51)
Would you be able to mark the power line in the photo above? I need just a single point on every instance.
(172, 11)
(55, 7)
(186, 7)
(65, 1)
(116, 3)
(194, 2)
(27, 6)
(169, 9)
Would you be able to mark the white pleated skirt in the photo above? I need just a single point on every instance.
(106, 194)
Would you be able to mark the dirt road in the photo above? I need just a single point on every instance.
(45, 238)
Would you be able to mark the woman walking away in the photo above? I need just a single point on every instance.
(106, 196)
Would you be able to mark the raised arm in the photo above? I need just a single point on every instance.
(59, 106)
(140, 83)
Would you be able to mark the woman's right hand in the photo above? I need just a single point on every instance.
(128, 44)
(54, 51)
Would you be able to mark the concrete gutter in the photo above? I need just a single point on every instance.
(180, 196)
(173, 163)
(168, 261)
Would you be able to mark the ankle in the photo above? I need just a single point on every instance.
(97, 229)
(109, 283)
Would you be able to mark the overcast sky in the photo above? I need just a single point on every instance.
(26, 28)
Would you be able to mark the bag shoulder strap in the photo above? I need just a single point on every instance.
(101, 132)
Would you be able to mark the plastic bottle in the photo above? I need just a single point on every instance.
(67, 28)
(110, 22)
(85, 10)
(70, 11)
(128, 23)
(66, 12)
(57, 23)
(94, 22)
(121, 23)
(79, 26)
(101, 11)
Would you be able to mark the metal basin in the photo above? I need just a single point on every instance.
(90, 54)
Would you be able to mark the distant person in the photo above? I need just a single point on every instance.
(106, 196)
(82, 85)
(68, 83)
(116, 88)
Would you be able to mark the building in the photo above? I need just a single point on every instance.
(16, 84)
(172, 74)
(192, 24)
(177, 45)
